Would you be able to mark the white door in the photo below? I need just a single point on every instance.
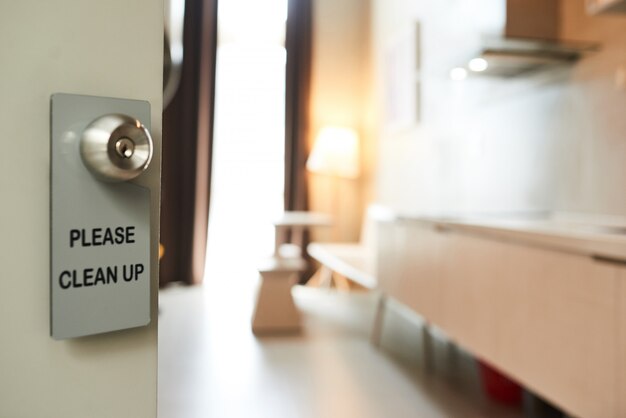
(109, 48)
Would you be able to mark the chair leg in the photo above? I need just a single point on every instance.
(325, 277)
(427, 348)
(341, 283)
(379, 317)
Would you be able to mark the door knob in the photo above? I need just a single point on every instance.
(116, 147)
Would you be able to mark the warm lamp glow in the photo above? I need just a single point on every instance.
(335, 153)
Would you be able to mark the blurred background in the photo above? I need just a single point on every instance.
(296, 121)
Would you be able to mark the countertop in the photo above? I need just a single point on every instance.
(586, 235)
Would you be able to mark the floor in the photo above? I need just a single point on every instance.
(211, 365)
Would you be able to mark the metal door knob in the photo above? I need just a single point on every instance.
(116, 147)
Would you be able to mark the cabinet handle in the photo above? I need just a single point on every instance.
(608, 260)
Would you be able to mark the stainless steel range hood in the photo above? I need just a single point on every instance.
(530, 42)
(511, 57)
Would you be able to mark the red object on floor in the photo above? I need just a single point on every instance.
(499, 387)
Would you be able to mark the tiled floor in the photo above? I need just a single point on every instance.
(211, 365)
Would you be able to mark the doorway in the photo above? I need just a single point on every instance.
(248, 151)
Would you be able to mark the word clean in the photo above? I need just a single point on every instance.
(97, 276)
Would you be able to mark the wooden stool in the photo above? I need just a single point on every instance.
(275, 310)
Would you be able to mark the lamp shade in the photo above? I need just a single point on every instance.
(335, 153)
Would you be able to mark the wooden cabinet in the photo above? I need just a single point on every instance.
(557, 316)
(552, 320)
(470, 291)
(392, 241)
(421, 287)
(410, 266)
(606, 6)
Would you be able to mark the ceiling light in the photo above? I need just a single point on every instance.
(458, 74)
(478, 64)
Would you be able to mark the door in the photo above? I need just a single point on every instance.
(110, 48)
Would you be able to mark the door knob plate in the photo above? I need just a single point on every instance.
(101, 246)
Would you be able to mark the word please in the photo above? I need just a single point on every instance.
(102, 236)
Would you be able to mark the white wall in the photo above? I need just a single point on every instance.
(555, 141)
(109, 48)
(594, 117)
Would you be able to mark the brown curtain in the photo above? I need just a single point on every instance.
(298, 90)
(187, 150)
(298, 86)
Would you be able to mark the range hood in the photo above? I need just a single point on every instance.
(530, 41)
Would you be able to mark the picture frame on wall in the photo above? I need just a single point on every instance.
(402, 82)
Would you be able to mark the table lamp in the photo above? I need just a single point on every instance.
(335, 153)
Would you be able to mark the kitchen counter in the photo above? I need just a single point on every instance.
(539, 296)
(579, 236)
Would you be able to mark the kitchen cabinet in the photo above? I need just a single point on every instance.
(546, 318)
(410, 266)
(392, 242)
(470, 291)
(557, 316)
(606, 6)
(552, 319)
(421, 287)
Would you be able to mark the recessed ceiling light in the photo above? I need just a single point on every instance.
(458, 74)
(478, 64)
